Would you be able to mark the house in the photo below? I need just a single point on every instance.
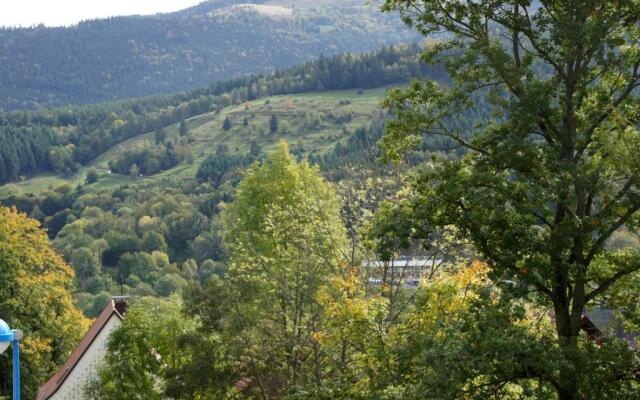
(82, 365)
(601, 323)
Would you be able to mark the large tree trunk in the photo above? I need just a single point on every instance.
(567, 393)
(568, 388)
(568, 329)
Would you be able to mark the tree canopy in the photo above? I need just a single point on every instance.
(142, 350)
(285, 239)
(551, 176)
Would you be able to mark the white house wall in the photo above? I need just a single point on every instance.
(86, 369)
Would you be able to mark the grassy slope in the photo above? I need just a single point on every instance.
(207, 133)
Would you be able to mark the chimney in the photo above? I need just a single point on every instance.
(120, 303)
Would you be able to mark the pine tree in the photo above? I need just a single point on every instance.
(226, 125)
(183, 128)
(160, 135)
(273, 124)
(255, 149)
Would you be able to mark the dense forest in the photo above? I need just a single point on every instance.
(127, 57)
(59, 140)
(154, 238)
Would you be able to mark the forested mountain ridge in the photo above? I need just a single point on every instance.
(62, 140)
(136, 56)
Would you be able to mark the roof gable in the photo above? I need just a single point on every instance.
(114, 309)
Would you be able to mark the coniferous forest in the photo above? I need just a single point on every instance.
(124, 57)
(450, 218)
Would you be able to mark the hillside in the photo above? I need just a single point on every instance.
(457, 218)
(65, 139)
(313, 123)
(136, 56)
(89, 174)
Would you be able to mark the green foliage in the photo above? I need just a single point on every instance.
(148, 158)
(92, 176)
(273, 124)
(361, 149)
(136, 236)
(160, 135)
(221, 167)
(285, 238)
(61, 159)
(96, 304)
(169, 284)
(255, 149)
(547, 181)
(183, 130)
(142, 350)
(206, 349)
(509, 348)
(226, 125)
(24, 151)
(134, 171)
(152, 241)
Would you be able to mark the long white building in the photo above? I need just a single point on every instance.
(407, 271)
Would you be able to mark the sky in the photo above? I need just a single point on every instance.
(69, 12)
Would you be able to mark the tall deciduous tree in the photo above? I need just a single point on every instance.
(545, 183)
(285, 239)
(35, 297)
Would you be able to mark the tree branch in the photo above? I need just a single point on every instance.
(607, 283)
(600, 241)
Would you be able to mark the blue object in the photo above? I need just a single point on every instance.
(9, 336)
(6, 335)
(16, 369)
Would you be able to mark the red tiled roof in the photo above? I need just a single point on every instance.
(51, 387)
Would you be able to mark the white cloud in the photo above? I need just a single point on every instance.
(69, 12)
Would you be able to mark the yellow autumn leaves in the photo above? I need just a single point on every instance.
(35, 296)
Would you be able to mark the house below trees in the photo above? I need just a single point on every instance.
(82, 366)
